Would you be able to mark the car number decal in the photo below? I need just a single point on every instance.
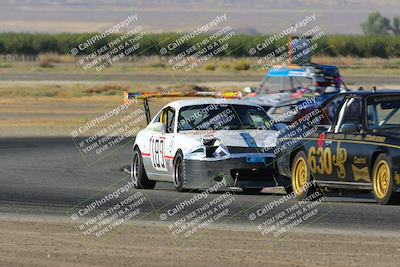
(157, 153)
(326, 160)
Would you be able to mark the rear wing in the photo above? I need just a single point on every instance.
(146, 95)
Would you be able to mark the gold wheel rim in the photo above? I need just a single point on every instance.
(382, 179)
(299, 176)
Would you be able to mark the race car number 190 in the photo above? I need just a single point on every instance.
(157, 150)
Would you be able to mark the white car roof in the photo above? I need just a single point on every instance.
(207, 101)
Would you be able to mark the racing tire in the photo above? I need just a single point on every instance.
(252, 191)
(284, 182)
(383, 183)
(138, 173)
(302, 186)
(288, 189)
(179, 172)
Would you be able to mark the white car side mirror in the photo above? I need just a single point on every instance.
(158, 127)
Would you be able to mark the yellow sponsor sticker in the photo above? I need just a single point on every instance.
(361, 174)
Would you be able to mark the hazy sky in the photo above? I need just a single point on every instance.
(248, 16)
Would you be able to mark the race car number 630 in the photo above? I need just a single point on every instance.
(322, 160)
(157, 150)
(325, 160)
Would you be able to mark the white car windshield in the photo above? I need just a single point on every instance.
(222, 117)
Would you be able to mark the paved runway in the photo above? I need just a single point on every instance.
(48, 176)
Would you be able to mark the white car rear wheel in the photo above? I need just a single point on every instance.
(138, 173)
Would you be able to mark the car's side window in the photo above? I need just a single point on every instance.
(330, 110)
(170, 120)
(350, 114)
(166, 117)
(372, 116)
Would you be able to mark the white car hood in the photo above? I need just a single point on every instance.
(270, 100)
(239, 138)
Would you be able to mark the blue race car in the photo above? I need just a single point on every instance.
(285, 88)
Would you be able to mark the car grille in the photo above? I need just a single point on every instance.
(242, 175)
(238, 149)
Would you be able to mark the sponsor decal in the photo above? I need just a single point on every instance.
(255, 159)
(378, 139)
(360, 174)
(386, 98)
(321, 140)
(355, 137)
(360, 160)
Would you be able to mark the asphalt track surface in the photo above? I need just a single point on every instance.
(48, 176)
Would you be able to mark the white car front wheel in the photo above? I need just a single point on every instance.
(179, 174)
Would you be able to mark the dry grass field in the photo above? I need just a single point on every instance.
(55, 108)
(52, 63)
(39, 110)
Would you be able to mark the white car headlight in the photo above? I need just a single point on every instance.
(215, 148)
(221, 151)
(199, 150)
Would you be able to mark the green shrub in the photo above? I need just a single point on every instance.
(210, 67)
(62, 43)
(241, 65)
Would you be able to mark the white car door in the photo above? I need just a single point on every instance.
(160, 161)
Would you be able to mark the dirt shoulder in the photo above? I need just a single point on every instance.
(59, 243)
(49, 110)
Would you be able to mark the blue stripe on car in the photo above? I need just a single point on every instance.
(248, 139)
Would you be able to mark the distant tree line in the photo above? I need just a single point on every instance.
(334, 45)
(377, 24)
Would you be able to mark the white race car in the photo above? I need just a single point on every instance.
(197, 143)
